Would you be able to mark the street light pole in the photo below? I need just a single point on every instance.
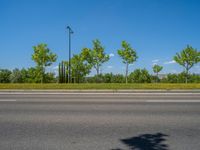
(69, 68)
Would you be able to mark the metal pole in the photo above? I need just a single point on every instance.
(69, 68)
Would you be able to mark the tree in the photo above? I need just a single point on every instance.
(96, 56)
(128, 55)
(16, 76)
(24, 75)
(140, 76)
(171, 78)
(50, 77)
(157, 69)
(187, 58)
(32, 75)
(106, 78)
(43, 57)
(80, 68)
(5, 75)
(195, 78)
(63, 72)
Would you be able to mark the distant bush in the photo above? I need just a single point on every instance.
(180, 78)
(31, 75)
(106, 78)
(139, 76)
(5, 75)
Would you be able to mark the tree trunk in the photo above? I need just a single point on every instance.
(97, 70)
(78, 78)
(186, 78)
(157, 77)
(42, 77)
(126, 73)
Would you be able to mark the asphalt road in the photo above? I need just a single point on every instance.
(104, 121)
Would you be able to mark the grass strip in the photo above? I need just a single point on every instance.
(101, 86)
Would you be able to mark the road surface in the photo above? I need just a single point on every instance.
(99, 121)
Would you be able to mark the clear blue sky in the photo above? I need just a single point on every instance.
(157, 29)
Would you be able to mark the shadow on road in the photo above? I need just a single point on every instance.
(146, 142)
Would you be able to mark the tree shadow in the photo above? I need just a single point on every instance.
(146, 142)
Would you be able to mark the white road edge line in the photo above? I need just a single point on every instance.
(3, 93)
(173, 101)
(117, 101)
(8, 100)
(147, 101)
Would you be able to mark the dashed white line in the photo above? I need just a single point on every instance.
(8, 100)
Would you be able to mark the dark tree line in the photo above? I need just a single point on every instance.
(30, 75)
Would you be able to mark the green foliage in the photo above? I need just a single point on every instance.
(34, 75)
(96, 56)
(50, 78)
(82, 63)
(43, 57)
(118, 78)
(63, 72)
(171, 78)
(103, 86)
(30, 75)
(106, 78)
(79, 68)
(128, 55)
(16, 76)
(180, 78)
(187, 58)
(140, 76)
(194, 78)
(5, 75)
(24, 75)
(155, 79)
(157, 69)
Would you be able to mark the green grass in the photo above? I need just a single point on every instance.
(111, 86)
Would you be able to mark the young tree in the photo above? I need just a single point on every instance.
(43, 57)
(79, 68)
(96, 56)
(157, 69)
(128, 55)
(187, 58)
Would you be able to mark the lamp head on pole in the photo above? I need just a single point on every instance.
(70, 30)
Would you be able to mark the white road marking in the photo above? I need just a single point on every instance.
(107, 100)
(3, 93)
(8, 100)
(104, 101)
(173, 101)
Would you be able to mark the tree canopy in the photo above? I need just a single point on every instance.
(157, 68)
(95, 56)
(187, 58)
(79, 67)
(128, 55)
(43, 57)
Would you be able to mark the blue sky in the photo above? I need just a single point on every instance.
(157, 29)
